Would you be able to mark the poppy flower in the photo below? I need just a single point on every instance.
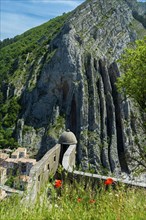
(58, 183)
(92, 201)
(108, 181)
(79, 199)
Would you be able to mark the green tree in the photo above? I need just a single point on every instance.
(10, 112)
(132, 82)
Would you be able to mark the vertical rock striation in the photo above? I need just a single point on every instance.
(78, 84)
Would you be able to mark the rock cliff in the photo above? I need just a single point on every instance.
(76, 89)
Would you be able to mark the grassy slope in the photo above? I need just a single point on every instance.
(119, 204)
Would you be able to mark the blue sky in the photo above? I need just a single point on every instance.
(17, 16)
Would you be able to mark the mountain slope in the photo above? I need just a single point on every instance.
(74, 87)
(21, 61)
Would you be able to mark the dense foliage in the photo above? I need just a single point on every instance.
(8, 41)
(21, 61)
(9, 111)
(133, 81)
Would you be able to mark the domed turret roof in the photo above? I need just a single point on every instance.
(68, 138)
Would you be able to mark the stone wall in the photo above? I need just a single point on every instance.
(69, 164)
(69, 158)
(48, 165)
(3, 175)
(40, 172)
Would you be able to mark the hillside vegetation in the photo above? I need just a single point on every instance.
(133, 82)
(21, 61)
(34, 41)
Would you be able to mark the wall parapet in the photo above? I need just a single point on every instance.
(39, 173)
(69, 159)
(69, 164)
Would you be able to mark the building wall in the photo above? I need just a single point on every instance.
(15, 155)
(3, 194)
(3, 175)
(3, 157)
(25, 167)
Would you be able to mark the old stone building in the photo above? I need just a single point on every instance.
(19, 153)
(18, 166)
(3, 157)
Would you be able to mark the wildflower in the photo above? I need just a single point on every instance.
(58, 183)
(92, 201)
(108, 181)
(79, 199)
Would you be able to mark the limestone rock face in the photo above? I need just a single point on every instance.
(76, 89)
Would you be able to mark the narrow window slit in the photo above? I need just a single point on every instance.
(54, 158)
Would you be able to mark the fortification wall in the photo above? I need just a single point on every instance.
(68, 163)
(69, 158)
(40, 172)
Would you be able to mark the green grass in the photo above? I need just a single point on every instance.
(62, 204)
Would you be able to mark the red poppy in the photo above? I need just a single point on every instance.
(79, 199)
(58, 183)
(108, 181)
(92, 201)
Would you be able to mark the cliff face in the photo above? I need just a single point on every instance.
(76, 89)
